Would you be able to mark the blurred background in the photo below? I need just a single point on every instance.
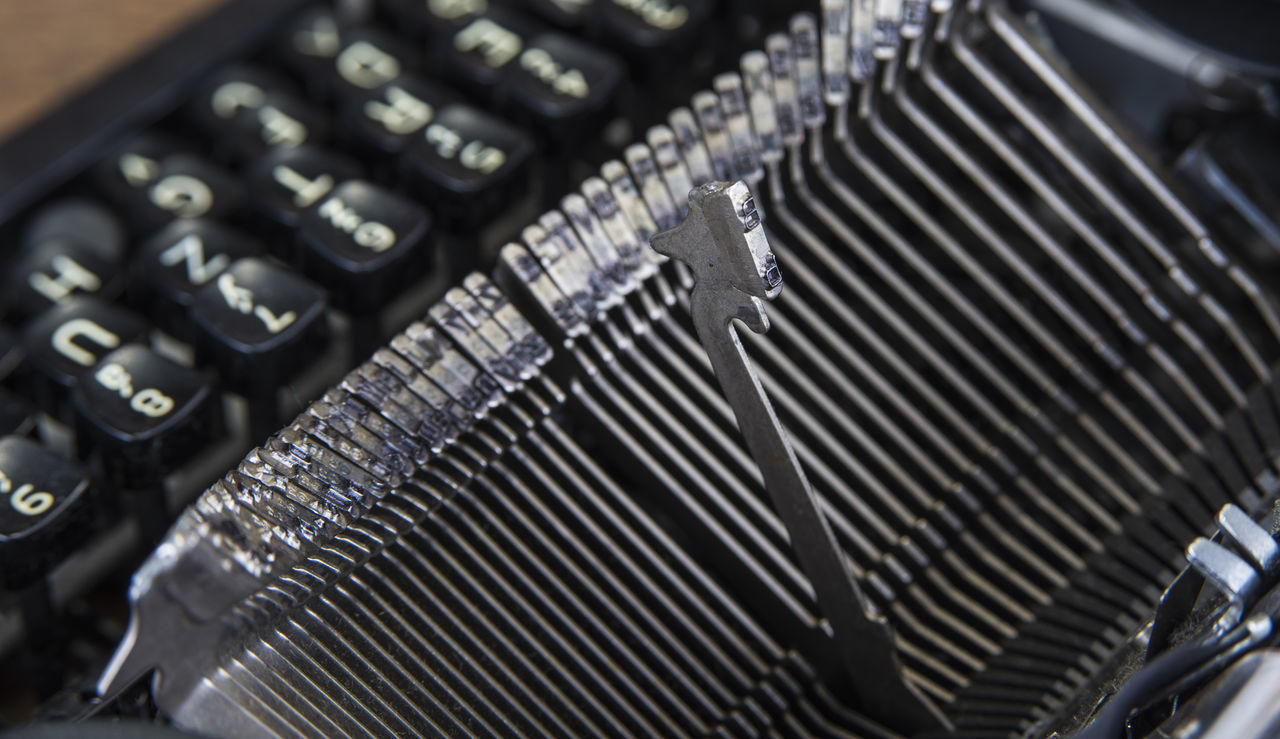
(53, 48)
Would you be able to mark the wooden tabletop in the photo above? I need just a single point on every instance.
(52, 48)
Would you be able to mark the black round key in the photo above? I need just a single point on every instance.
(386, 119)
(476, 54)
(469, 162)
(177, 261)
(259, 323)
(44, 510)
(190, 187)
(284, 121)
(646, 30)
(232, 91)
(285, 183)
(156, 185)
(81, 221)
(64, 342)
(562, 85)
(68, 247)
(338, 59)
(248, 111)
(17, 417)
(364, 243)
(58, 268)
(369, 60)
(143, 413)
(132, 166)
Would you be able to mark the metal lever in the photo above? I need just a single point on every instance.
(1252, 540)
(1230, 573)
(723, 243)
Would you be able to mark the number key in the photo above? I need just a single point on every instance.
(259, 324)
(364, 243)
(64, 342)
(44, 509)
(286, 183)
(562, 85)
(142, 412)
(469, 162)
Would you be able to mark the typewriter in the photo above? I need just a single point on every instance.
(866, 368)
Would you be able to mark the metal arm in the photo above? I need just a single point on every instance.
(724, 244)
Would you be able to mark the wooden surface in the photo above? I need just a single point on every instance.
(51, 48)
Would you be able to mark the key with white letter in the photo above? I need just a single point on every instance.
(64, 342)
(181, 258)
(44, 509)
(260, 324)
(365, 243)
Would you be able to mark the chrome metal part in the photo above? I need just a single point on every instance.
(1013, 374)
(1229, 573)
(1250, 539)
(723, 242)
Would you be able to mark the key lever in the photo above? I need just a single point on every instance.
(724, 244)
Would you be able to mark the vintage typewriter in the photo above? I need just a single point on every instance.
(342, 393)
